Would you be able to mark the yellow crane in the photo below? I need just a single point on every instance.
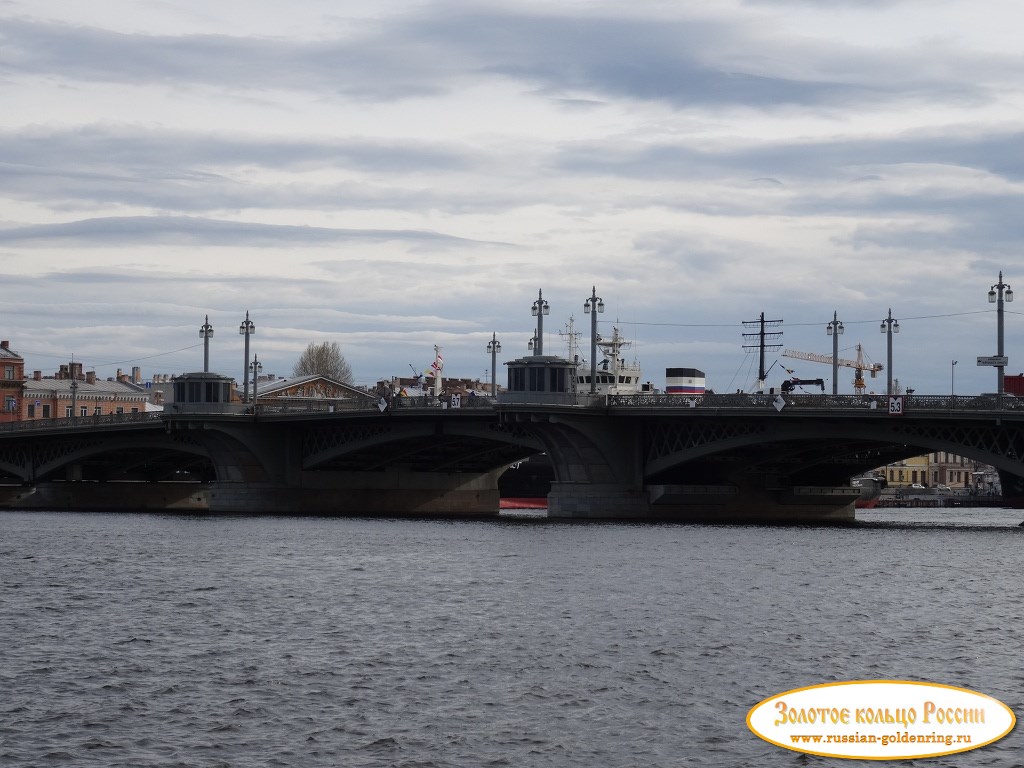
(859, 365)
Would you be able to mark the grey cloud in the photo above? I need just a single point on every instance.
(130, 230)
(683, 62)
(791, 162)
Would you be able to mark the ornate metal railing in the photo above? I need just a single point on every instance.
(83, 422)
(741, 400)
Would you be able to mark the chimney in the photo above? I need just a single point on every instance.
(90, 377)
(37, 375)
(76, 372)
(5, 344)
(136, 374)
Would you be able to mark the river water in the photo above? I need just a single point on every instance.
(153, 640)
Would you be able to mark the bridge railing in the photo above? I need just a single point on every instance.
(82, 422)
(758, 400)
(366, 405)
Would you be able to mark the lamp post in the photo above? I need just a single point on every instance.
(997, 294)
(835, 329)
(889, 327)
(247, 329)
(256, 366)
(592, 307)
(952, 381)
(539, 309)
(205, 332)
(74, 389)
(494, 347)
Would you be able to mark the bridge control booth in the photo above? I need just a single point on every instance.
(203, 392)
(540, 379)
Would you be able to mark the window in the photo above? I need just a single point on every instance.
(536, 382)
(97, 411)
(83, 411)
(8, 371)
(135, 409)
(67, 411)
(120, 410)
(46, 411)
(31, 411)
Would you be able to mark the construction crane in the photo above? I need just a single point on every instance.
(859, 365)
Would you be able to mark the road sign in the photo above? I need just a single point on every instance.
(896, 405)
(996, 360)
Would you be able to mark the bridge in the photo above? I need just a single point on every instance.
(714, 457)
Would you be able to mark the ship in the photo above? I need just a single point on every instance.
(614, 375)
(870, 490)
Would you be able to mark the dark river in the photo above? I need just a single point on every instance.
(153, 640)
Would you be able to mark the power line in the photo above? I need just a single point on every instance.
(112, 362)
(811, 324)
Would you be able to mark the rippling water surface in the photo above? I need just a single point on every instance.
(147, 640)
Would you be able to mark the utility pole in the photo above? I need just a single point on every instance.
(761, 336)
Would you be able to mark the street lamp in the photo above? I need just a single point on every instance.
(592, 307)
(256, 366)
(952, 381)
(247, 329)
(996, 295)
(205, 332)
(494, 347)
(889, 327)
(539, 309)
(835, 330)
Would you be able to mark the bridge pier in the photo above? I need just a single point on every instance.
(590, 501)
(702, 504)
(390, 493)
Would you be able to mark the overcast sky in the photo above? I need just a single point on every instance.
(394, 175)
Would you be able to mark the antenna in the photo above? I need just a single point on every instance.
(572, 337)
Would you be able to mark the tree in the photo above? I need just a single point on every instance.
(324, 359)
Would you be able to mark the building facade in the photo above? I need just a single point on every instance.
(70, 392)
(12, 379)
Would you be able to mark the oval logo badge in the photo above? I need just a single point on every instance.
(881, 720)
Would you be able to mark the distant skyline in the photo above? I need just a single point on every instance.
(396, 175)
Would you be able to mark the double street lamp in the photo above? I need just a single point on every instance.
(256, 367)
(592, 307)
(835, 330)
(889, 327)
(247, 329)
(494, 347)
(205, 332)
(997, 294)
(539, 309)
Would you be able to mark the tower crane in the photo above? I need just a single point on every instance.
(859, 365)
